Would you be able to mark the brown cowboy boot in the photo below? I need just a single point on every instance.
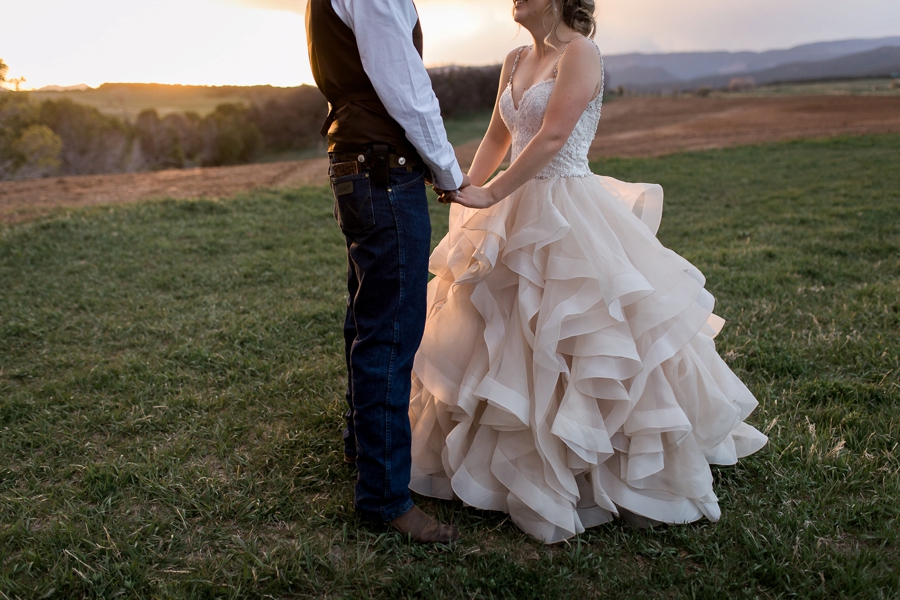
(424, 529)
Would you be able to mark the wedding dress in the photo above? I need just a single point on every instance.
(568, 368)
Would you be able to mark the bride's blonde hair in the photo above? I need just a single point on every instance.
(576, 14)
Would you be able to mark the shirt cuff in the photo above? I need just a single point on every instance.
(448, 179)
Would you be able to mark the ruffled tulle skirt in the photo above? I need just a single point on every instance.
(568, 368)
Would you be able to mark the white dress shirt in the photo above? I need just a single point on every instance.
(383, 30)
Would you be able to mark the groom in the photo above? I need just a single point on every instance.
(385, 138)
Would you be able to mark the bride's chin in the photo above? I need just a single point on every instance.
(516, 11)
(522, 15)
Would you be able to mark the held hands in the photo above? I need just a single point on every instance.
(476, 197)
(468, 195)
(449, 196)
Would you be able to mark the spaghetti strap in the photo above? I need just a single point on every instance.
(559, 58)
(515, 64)
(602, 68)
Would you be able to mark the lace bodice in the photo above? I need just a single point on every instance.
(525, 121)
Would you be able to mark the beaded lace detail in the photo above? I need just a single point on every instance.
(525, 121)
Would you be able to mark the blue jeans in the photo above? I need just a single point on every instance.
(388, 234)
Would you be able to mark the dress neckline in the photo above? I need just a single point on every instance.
(525, 93)
(537, 83)
(512, 99)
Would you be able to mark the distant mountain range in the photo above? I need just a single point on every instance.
(65, 88)
(688, 70)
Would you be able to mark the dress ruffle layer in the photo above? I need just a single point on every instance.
(568, 367)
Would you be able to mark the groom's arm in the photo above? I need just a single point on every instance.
(383, 30)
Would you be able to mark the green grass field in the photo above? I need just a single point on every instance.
(171, 400)
(850, 87)
(466, 128)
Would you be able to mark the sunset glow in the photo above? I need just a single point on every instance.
(244, 42)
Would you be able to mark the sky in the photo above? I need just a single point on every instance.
(249, 42)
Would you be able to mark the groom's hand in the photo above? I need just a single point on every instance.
(450, 196)
(445, 196)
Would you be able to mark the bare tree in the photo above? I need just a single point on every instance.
(16, 81)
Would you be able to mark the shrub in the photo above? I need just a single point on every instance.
(188, 128)
(40, 150)
(160, 142)
(16, 114)
(229, 137)
(289, 119)
(462, 90)
(741, 84)
(27, 148)
(91, 141)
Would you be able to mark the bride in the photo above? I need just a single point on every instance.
(567, 375)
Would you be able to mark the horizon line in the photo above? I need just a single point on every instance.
(435, 66)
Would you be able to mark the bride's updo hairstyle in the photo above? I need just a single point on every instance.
(577, 14)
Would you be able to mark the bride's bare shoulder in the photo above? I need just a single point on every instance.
(580, 57)
(582, 50)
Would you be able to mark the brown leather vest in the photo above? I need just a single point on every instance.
(357, 118)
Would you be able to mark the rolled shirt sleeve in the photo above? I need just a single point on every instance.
(383, 30)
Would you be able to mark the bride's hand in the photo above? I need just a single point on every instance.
(476, 197)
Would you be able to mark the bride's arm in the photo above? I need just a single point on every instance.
(572, 93)
(496, 140)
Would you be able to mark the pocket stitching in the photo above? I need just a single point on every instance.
(342, 208)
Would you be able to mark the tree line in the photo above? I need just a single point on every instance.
(62, 137)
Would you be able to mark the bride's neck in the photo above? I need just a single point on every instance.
(546, 41)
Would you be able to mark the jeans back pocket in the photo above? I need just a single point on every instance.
(353, 202)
